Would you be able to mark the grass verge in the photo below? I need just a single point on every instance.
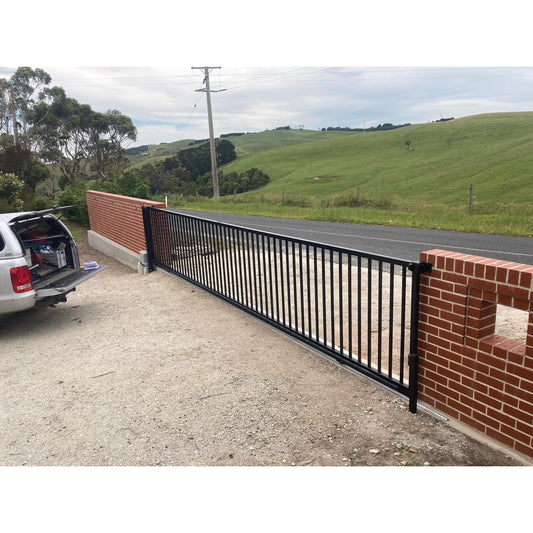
(490, 217)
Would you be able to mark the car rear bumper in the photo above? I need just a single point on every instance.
(17, 302)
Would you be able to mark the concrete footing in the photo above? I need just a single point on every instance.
(114, 250)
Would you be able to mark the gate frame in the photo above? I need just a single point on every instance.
(409, 391)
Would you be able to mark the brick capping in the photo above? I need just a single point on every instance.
(467, 370)
(119, 218)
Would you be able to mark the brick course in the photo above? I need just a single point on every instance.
(119, 218)
(466, 370)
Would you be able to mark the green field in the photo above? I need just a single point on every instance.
(247, 144)
(376, 177)
(158, 152)
(253, 143)
(494, 153)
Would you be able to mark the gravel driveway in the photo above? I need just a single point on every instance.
(148, 370)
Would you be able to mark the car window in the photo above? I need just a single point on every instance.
(2, 243)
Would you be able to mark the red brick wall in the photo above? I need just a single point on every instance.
(119, 218)
(466, 370)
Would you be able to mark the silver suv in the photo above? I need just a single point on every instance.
(39, 262)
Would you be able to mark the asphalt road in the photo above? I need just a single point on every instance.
(400, 243)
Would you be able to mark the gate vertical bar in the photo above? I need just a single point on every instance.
(315, 273)
(308, 269)
(416, 269)
(391, 319)
(294, 286)
(341, 309)
(403, 321)
(332, 298)
(350, 342)
(359, 306)
(302, 302)
(380, 313)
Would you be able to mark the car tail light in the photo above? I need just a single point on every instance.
(21, 279)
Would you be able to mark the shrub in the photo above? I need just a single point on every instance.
(75, 195)
(11, 188)
(38, 203)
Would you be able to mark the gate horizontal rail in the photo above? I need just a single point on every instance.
(359, 308)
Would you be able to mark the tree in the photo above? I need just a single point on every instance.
(10, 193)
(165, 176)
(105, 152)
(129, 184)
(248, 180)
(225, 152)
(76, 137)
(61, 125)
(198, 160)
(231, 182)
(20, 161)
(17, 98)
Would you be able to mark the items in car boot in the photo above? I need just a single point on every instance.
(53, 257)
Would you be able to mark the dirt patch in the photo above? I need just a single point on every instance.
(148, 370)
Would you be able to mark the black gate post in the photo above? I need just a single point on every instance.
(416, 269)
(148, 237)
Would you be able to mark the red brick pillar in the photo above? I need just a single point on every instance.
(468, 371)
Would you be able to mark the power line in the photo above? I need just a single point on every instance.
(348, 75)
(193, 110)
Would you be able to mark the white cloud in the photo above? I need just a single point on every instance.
(164, 105)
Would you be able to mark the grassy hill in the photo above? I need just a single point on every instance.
(158, 152)
(250, 143)
(415, 176)
(253, 143)
(492, 152)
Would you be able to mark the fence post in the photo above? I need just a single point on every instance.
(148, 237)
(416, 269)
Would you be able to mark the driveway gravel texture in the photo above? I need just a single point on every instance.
(149, 370)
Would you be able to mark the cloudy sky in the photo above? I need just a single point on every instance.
(165, 106)
(286, 63)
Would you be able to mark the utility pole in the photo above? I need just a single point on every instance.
(208, 92)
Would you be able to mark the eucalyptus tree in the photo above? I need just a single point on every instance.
(79, 139)
(106, 153)
(18, 96)
(61, 128)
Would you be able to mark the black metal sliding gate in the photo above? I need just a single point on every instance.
(359, 308)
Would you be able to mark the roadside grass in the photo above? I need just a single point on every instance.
(490, 217)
